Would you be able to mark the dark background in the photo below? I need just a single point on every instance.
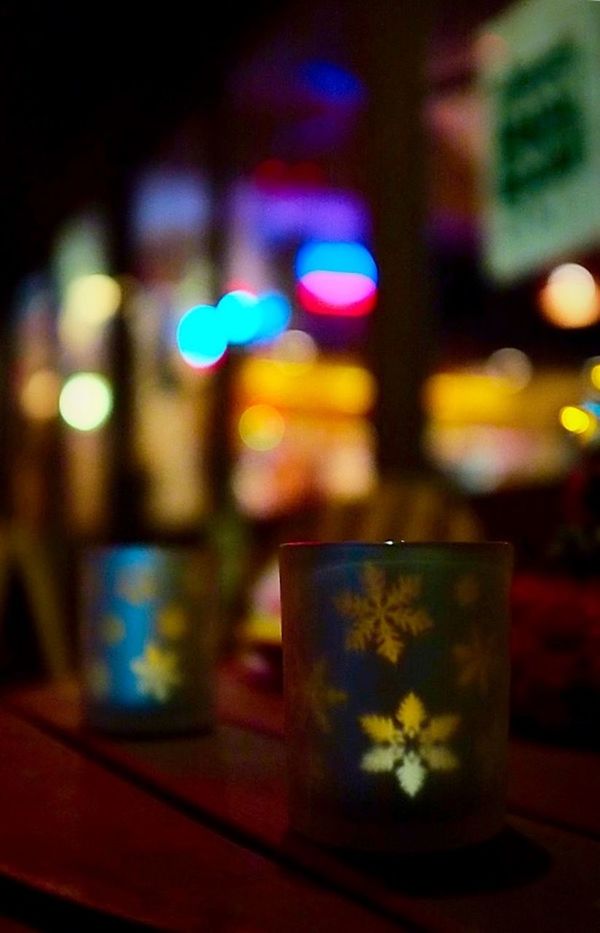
(88, 91)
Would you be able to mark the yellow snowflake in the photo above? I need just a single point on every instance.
(318, 697)
(156, 672)
(172, 622)
(383, 615)
(312, 700)
(410, 744)
(475, 660)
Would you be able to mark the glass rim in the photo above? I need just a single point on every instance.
(400, 545)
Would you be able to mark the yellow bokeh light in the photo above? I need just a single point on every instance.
(595, 375)
(329, 386)
(352, 389)
(575, 420)
(570, 298)
(261, 427)
(90, 301)
(39, 395)
(85, 401)
(93, 297)
(467, 396)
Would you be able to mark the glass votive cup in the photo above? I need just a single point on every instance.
(396, 688)
(146, 639)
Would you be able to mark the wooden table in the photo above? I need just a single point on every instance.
(191, 834)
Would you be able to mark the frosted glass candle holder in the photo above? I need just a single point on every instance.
(396, 688)
(146, 639)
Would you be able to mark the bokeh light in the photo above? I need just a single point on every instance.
(261, 427)
(201, 336)
(295, 347)
(90, 301)
(352, 389)
(167, 200)
(250, 318)
(512, 364)
(336, 278)
(491, 50)
(241, 314)
(275, 315)
(340, 388)
(39, 395)
(570, 298)
(575, 420)
(85, 401)
(332, 82)
(335, 257)
(595, 376)
(347, 294)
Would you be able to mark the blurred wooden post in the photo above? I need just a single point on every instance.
(391, 47)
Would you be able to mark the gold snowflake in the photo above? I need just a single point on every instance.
(410, 744)
(318, 697)
(475, 660)
(383, 615)
(312, 699)
(172, 622)
(156, 672)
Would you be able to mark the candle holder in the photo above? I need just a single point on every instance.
(147, 639)
(396, 689)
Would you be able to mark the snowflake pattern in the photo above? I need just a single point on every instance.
(172, 622)
(313, 699)
(156, 672)
(382, 615)
(410, 744)
(475, 659)
(318, 697)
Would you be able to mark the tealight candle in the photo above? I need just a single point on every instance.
(396, 687)
(146, 633)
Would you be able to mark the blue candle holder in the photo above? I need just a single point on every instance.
(147, 639)
(396, 686)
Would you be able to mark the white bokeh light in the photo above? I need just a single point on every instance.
(85, 401)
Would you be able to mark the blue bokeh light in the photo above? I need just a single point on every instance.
(335, 257)
(241, 314)
(276, 314)
(201, 336)
(333, 82)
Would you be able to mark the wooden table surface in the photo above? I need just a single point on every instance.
(190, 833)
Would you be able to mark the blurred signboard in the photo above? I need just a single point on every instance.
(539, 75)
